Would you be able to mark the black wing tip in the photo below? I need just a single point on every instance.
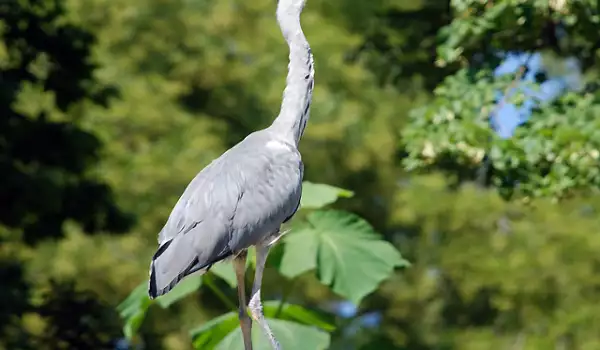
(152, 292)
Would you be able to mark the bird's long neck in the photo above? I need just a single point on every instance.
(297, 96)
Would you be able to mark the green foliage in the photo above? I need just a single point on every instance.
(519, 25)
(46, 74)
(133, 309)
(502, 273)
(348, 255)
(296, 313)
(212, 333)
(289, 323)
(554, 154)
(315, 196)
(75, 319)
(46, 169)
(290, 335)
(455, 124)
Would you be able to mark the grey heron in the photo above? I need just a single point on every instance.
(242, 198)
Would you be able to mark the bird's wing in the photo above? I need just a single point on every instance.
(270, 197)
(233, 203)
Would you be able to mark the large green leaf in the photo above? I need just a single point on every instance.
(299, 253)
(291, 336)
(315, 196)
(133, 309)
(290, 323)
(348, 254)
(185, 287)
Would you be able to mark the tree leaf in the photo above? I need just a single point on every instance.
(291, 336)
(187, 286)
(134, 322)
(133, 309)
(347, 253)
(299, 253)
(132, 303)
(315, 196)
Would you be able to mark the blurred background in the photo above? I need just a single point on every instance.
(468, 131)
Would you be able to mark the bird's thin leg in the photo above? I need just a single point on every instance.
(239, 265)
(256, 310)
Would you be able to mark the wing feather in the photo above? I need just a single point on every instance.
(236, 201)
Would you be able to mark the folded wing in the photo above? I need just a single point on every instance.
(233, 203)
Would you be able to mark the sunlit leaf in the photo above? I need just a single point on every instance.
(291, 336)
(133, 309)
(222, 332)
(133, 323)
(299, 253)
(131, 304)
(347, 253)
(315, 196)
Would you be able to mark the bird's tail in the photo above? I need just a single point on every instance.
(182, 256)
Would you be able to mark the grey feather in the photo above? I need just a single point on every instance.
(236, 201)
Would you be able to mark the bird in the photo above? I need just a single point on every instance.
(242, 198)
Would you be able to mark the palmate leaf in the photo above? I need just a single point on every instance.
(291, 336)
(294, 326)
(316, 196)
(344, 249)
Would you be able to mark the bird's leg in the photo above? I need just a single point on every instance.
(256, 310)
(239, 265)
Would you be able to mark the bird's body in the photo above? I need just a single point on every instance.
(238, 200)
(242, 198)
